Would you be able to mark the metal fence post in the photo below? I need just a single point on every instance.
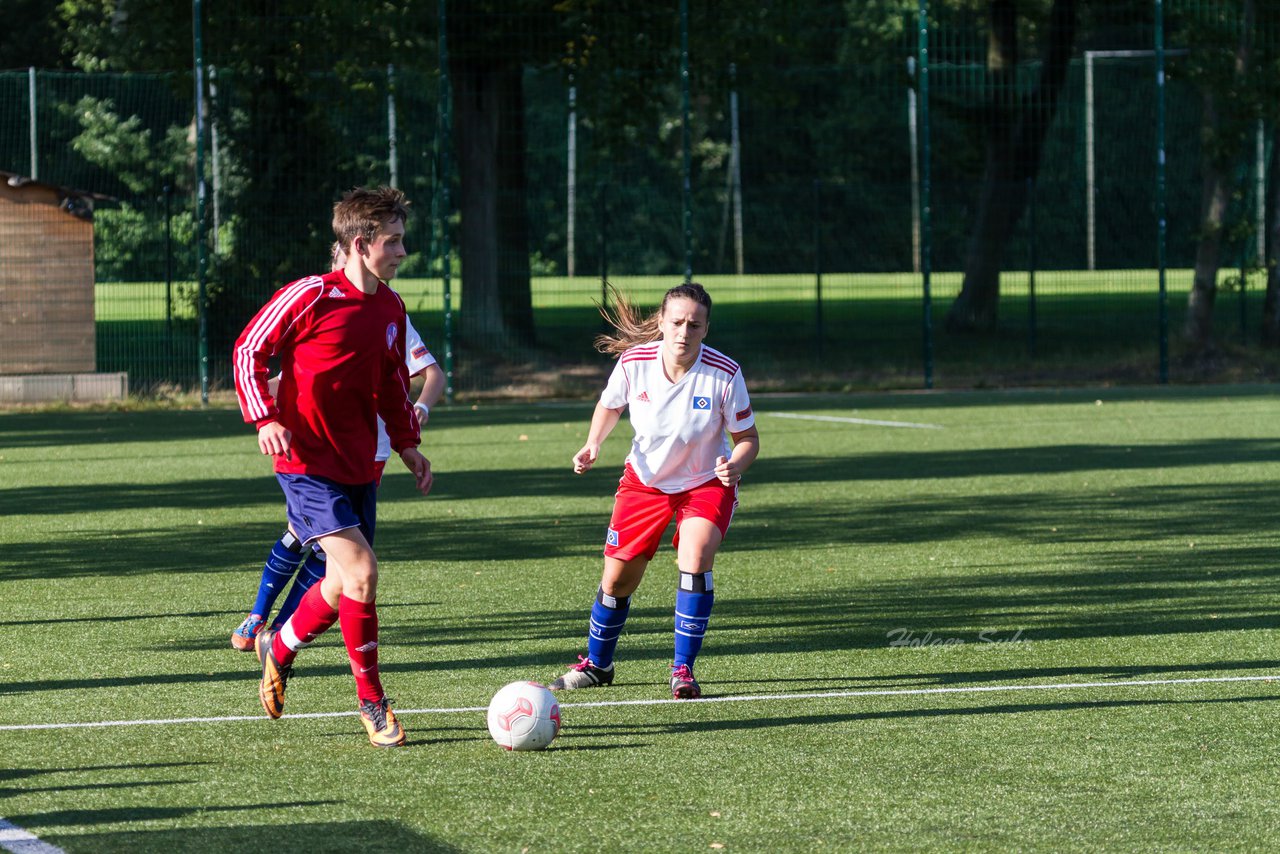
(817, 263)
(202, 255)
(443, 132)
(926, 248)
(31, 112)
(1031, 266)
(687, 194)
(1161, 224)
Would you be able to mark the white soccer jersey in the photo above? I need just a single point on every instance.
(417, 359)
(680, 427)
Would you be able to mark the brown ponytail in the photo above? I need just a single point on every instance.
(632, 329)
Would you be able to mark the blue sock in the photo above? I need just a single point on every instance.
(311, 572)
(607, 617)
(281, 564)
(694, 599)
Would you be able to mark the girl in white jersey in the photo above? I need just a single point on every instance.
(686, 402)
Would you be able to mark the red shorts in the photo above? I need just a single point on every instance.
(641, 514)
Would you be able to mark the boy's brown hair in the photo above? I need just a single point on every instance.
(363, 212)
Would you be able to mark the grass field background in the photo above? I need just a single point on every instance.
(866, 331)
(1081, 572)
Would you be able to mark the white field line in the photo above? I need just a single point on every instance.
(19, 841)
(745, 698)
(840, 420)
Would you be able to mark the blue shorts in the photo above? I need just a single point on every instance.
(317, 506)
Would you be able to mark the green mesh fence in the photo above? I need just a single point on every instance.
(800, 180)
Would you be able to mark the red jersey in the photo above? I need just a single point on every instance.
(342, 364)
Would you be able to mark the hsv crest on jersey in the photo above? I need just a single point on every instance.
(702, 403)
(392, 329)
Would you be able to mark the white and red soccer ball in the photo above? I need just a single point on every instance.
(524, 716)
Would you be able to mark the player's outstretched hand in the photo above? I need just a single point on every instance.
(275, 440)
(727, 472)
(586, 458)
(420, 466)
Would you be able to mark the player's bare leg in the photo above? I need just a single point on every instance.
(351, 587)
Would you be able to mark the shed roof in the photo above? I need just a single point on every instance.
(78, 203)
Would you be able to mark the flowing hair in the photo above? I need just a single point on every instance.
(631, 328)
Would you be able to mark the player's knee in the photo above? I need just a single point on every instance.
(360, 580)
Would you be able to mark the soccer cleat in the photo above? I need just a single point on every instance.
(683, 685)
(381, 724)
(242, 638)
(274, 675)
(584, 674)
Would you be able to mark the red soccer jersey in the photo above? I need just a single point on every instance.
(342, 364)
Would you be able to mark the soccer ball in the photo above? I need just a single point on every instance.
(524, 716)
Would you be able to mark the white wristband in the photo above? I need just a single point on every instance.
(423, 410)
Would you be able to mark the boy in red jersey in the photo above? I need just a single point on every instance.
(340, 339)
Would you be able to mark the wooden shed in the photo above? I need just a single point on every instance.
(46, 278)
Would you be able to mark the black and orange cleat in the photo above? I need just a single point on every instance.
(381, 724)
(274, 675)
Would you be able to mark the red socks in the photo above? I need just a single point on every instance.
(312, 619)
(359, 622)
(360, 633)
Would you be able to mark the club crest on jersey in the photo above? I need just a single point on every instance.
(392, 330)
(702, 404)
(611, 537)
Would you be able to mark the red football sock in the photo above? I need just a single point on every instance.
(312, 619)
(359, 622)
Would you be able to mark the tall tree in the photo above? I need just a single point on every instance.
(1222, 65)
(1015, 126)
(489, 45)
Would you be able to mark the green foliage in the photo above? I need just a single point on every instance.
(129, 241)
(122, 146)
(31, 35)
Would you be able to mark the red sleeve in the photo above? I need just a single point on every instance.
(394, 404)
(263, 338)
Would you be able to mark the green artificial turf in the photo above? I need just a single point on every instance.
(992, 630)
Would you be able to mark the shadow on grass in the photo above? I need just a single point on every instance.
(612, 732)
(285, 837)
(95, 427)
(1143, 514)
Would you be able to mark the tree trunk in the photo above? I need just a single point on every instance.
(1016, 129)
(1198, 327)
(1271, 303)
(497, 305)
